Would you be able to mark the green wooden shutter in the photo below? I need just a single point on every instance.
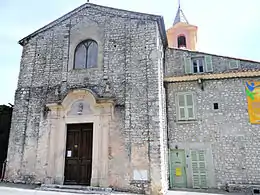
(185, 106)
(195, 170)
(189, 106)
(199, 170)
(208, 63)
(202, 169)
(187, 65)
(238, 63)
(181, 107)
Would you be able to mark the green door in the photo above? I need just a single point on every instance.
(177, 165)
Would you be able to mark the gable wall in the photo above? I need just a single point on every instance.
(128, 62)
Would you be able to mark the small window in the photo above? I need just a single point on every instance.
(198, 64)
(86, 55)
(215, 106)
(185, 106)
(181, 41)
(234, 64)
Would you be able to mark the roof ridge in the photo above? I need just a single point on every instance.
(214, 54)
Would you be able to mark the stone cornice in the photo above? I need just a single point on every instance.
(212, 76)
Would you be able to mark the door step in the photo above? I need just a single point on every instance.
(75, 189)
(80, 189)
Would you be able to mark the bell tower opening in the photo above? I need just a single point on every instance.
(182, 42)
(182, 34)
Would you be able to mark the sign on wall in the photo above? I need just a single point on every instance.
(253, 100)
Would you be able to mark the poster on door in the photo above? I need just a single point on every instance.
(253, 100)
(178, 171)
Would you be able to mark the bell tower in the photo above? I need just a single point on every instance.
(182, 34)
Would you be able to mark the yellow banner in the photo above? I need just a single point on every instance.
(253, 100)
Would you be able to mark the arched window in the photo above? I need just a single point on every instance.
(86, 55)
(182, 41)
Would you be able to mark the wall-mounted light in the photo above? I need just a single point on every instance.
(200, 82)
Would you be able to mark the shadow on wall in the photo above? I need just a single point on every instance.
(5, 124)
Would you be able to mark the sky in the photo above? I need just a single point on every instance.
(225, 27)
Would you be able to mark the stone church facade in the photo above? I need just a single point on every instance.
(109, 98)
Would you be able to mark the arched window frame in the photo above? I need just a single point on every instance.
(87, 43)
(181, 43)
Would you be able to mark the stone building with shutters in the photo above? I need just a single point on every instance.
(109, 98)
(212, 122)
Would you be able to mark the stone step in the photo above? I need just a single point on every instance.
(81, 189)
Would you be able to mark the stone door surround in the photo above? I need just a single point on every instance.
(80, 106)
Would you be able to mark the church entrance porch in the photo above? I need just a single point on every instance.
(78, 163)
(77, 138)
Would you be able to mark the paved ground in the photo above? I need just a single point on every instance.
(199, 193)
(202, 192)
(20, 189)
(14, 189)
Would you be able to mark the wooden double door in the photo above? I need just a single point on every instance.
(78, 161)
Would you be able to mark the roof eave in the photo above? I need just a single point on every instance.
(22, 41)
(162, 31)
(213, 76)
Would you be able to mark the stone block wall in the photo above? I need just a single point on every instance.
(174, 64)
(128, 61)
(233, 140)
(225, 132)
